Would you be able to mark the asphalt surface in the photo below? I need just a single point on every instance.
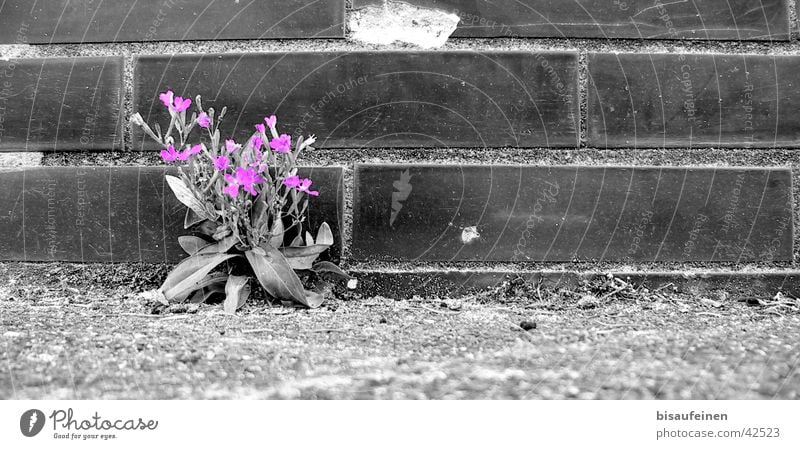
(96, 343)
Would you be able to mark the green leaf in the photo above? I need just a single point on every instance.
(324, 235)
(309, 239)
(222, 232)
(237, 290)
(215, 139)
(186, 277)
(330, 268)
(301, 257)
(293, 206)
(258, 212)
(276, 275)
(204, 294)
(198, 297)
(298, 241)
(191, 218)
(207, 227)
(196, 245)
(222, 246)
(213, 281)
(305, 207)
(186, 196)
(192, 122)
(313, 299)
(191, 244)
(277, 233)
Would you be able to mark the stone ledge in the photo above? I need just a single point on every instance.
(406, 284)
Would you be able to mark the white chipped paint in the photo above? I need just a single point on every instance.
(469, 235)
(399, 22)
(14, 51)
(21, 159)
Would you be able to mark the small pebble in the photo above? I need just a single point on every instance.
(452, 305)
(587, 302)
(710, 302)
(192, 357)
(753, 301)
(528, 325)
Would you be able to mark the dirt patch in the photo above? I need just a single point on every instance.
(517, 341)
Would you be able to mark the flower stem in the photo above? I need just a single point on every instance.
(211, 182)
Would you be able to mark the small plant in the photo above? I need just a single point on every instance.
(245, 200)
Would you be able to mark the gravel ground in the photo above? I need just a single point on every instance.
(61, 342)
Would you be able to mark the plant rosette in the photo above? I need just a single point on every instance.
(244, 202)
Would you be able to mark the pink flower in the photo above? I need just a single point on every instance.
(305, 184)
(281, 144)
(260, 128)
(301, 185)
(189, 152)
(271, 121)
(246, 178)
(176, 104)
(292, 181)
(167, 98)
(221, 162)
(231, 146)
(204, 120)
(169, 154)
(232, 189)
(256, 142)
(181, 104)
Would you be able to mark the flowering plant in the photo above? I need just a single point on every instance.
(245, 200)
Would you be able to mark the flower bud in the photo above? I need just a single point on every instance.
(137, 120)
(310, 141)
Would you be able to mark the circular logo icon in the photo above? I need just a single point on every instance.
(31, 422)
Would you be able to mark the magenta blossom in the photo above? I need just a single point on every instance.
(300, 184)
(281, 144)
(260, 128)
(271, 121)
(245, 178)
(221, 162)
(231, 146)
(292, 181)
(189, 152)
(169, 154)
(181, 104)
(256, 142)
(204, 120)
(175, 104)
(305, 184)
(167, 98)
(232, 189)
